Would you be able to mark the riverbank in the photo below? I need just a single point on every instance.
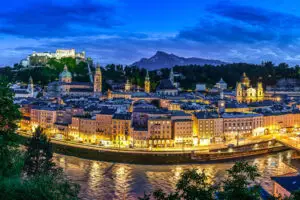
(167, 157)
(160, 158)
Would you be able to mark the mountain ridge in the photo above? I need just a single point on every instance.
(162, 59)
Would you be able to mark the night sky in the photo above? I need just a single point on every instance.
(123, 31)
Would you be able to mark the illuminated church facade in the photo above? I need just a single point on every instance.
(245, 93)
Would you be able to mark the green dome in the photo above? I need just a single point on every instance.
(65, 73)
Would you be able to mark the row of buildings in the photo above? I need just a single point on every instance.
(141, 124)
(81, 111)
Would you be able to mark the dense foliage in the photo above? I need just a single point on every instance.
(31, 174)
(239, 183)
(38, 158)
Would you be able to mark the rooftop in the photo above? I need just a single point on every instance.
(166, 84)
(206, 115)
(122, 116)
(290, 183)
(240, 115)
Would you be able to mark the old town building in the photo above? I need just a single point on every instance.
(160, 132)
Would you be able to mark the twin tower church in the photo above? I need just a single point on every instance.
(65, 86)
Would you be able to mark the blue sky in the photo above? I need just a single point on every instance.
(123, 31)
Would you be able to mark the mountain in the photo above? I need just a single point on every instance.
(164, 60)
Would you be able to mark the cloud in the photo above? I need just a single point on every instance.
(226, 22)
(47, 19)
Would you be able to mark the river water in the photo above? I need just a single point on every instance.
(104, 180)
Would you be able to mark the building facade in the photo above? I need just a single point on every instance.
(98, 81)
(245, 93)
(147, 83)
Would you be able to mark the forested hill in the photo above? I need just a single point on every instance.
(43, 74)
(188, 77)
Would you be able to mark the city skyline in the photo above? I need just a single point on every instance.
(122, 32)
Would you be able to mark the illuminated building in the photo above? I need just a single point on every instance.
(139, 137)
(104, 124)
(276, 121)
(174, 106)
(83, 129)
(121, 127)
(206, 126)
(44, 117)
(98, 81)
(222, 85)
(147, 83)
(127, 86)
(167, 87)
(67, 87)
(241, 124)
(60, 53)
(183, 132)
(221, 103)
(248, 94)
(24, 92)
(160, 132)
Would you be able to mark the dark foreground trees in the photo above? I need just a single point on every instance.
(238, 184)
(30, 173)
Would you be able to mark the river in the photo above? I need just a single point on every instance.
(104, 180)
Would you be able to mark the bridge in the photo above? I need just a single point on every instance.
(291, 142)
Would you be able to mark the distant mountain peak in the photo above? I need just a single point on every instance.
(162, 59)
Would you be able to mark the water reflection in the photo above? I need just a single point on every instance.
(103, 180)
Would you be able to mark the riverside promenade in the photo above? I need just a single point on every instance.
(210, 153)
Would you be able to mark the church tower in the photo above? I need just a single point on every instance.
(30, 87)
(98, 80)
(172, 76)
(127, 86)
(221, 103)
(239, 93)
(147, 83)
(260, 90)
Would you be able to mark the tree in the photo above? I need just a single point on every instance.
(191, 185)
(237, 183)
(9, 114)
(38, 157)
(295, 195)
(42, 182)
(195, 186)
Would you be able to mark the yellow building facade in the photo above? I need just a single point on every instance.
(245, 93)
(147, 83)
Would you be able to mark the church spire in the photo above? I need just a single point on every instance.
(171, 76)
(147, 83)
(147, 76)
(98, 80)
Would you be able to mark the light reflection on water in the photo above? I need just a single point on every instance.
(103, 180)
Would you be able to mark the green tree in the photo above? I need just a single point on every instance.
(191, 185)
(38, 157)
(195, 186)
(238, 181)
(52, 184)
(9, 114)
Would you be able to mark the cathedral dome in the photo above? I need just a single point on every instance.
(245, 80)
(65, 76)
(65, 73)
